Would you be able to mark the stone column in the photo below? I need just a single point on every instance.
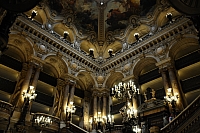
(64, 105)
(165, 79)
(135, 104)
(36, 76)
(104, 105)
(34, 84)
(71, 98)
(181, 103)
(94, 109)
(86, 111)
(58, 98)
(22, 86)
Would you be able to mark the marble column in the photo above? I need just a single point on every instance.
(71, 98)
(58, 98)
(94, 109)
(104, 105)
(165, 79)
(65, 101)
(36, 76)
(22, 86)
(86, 108)
(34, 84)
(64, 106)
(181, 103)
(135, 104)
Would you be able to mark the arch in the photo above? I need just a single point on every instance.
(24, 45)
(113, 78)
(183, 46)
(86, 80)
(55, 66)
(141, 63)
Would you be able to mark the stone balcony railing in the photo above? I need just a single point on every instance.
(5, 110)
(187, 121)
(54, 121)
(77, 129)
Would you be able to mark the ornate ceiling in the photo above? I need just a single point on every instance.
(69, 55)
(102, 25)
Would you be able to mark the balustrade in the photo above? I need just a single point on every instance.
(46, 121)
(5, 109)
(186, 119)
(77, 129)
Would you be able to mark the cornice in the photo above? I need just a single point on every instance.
(49, 39)
(56, 44)
(164, 35)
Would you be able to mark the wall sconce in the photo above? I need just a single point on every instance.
(136, 35)
(91, 52)
(110, 52)
(65, 34)
(30, 94)
(34, 13)
(169, 17)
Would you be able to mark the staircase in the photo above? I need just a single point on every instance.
(73, 129)
(188, 121)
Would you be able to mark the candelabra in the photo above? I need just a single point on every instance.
(170, 98)
(43, 121)
(70, 110)
(136, 129)
(130, 119)
(110, 122)
(29, 95)
(124, 90)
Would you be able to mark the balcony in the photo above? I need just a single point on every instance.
(5, 110)
(45, 122)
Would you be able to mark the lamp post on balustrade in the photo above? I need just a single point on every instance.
(70, 110)
(171, 99)
(29, 95)
(110, 122)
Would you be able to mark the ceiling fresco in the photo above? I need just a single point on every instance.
(116, 13)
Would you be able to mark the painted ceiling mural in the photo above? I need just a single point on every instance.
(117, 12)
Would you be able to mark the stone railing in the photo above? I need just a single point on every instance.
(77, 129)
(5, 109)
(187, 121)
(45, 121)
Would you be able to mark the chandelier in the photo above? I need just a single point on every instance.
(124, 90)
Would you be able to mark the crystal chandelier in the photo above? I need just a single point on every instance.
(124, 90)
